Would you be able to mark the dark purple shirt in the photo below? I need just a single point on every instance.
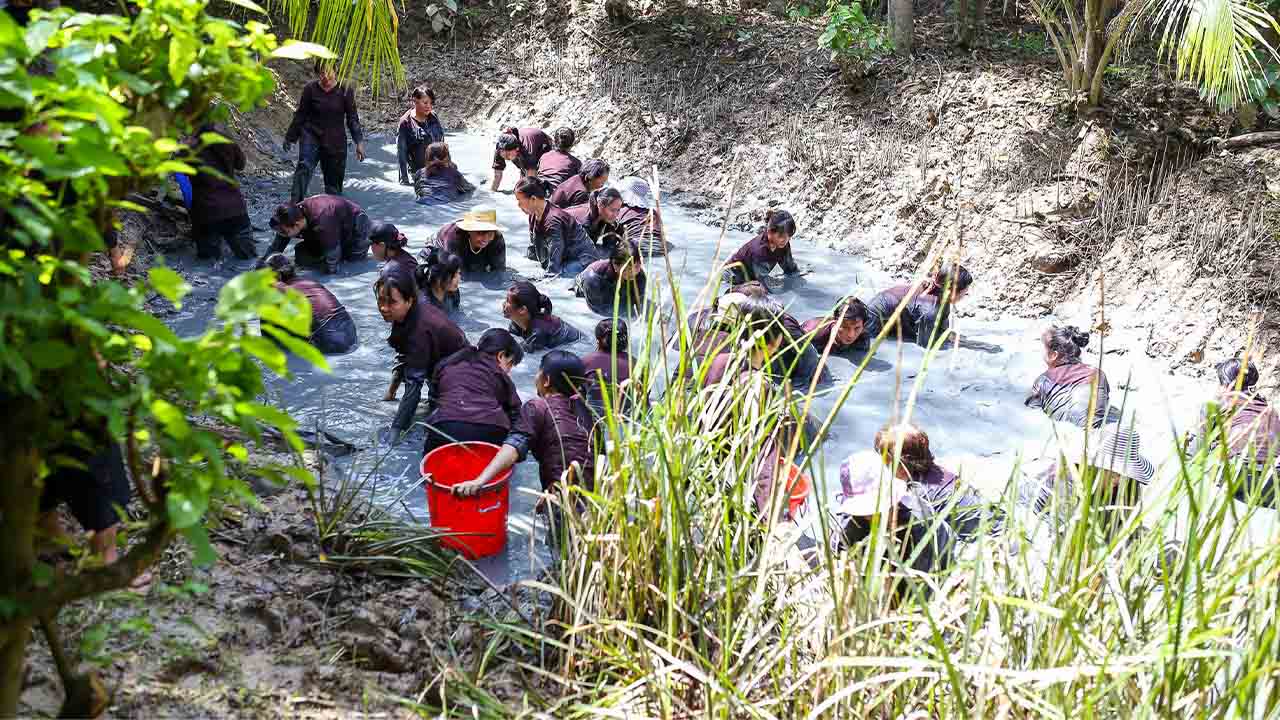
(1253, 421)
(598, 284)
(604, 362)
(557, 438)
(573, 191)
(720, 366)
(214, 198)
(558, 239)
(824, 328)
(401, 264)
(545, 332)
(320, 115)
(533, 145)
(588, 216)
(555, 167)
(705, 336)
(921, 315)
(416, 135)
(330, 218)
(1063, 393)
(492, 259)
(757, 259)
(635, 226)
(470, 387)
(324, 304)
(424, 338)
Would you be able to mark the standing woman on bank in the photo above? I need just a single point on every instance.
(318, 127)
(474, 397)
(419, 128)
(557, 165)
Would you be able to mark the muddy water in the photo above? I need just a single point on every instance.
(970, 402)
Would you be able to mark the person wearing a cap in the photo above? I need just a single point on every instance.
(477, 239)
(333, 332)
(418, 128)
(330, 229)
(1112, 456)
(769, 249)
(557, 164)
(532, 320)
(556, 240)
(577, 188)
(475, 399)
(1069, 390)
(616, 283)
(440, 181)
(522, 147)
(218, 211)
(318, 127)
(1250, 426)
(599, 217)
(640, 223)
(387, 244)
(870, 494)
(926, 310)
(421, 334)
(847, 323)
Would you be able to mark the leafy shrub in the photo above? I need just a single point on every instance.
(851, 37)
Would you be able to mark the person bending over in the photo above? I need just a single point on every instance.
(477, 239)
(388, 246)
(599, 217)
(329, 228)
(926, 313)
(557, 165)
(639, 223)
(523, 148)
(439, 276)
(556, 240)
(848, 322)
(318, 127)
(769, 249)
(1250, 426)
(609, 365)
(421, 335)
(577, 188)
(799, 359)
(1069, 389)
(418, 128)
(531, 320)
(218, 210)
(439, 182)
(616, 283)
(333, 332)
(759, 336)
(475, 399)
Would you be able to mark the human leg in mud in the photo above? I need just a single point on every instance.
(355, 246)
(236, 232)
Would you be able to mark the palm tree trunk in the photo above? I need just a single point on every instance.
(903, 22)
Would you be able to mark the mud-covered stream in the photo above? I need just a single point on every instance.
(970, 404)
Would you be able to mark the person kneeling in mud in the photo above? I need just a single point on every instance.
(926, 312)
(474, 397)
(599, 217)
(330, 229)
(388, 246)
(422, 335)
(798, 360)
(439, 276)
(577, 189)
(769, 249)
(1241, 419)
(522, 147)
(439, 182)
(1069, 390)
(477, 239)
(531, 320)
(333, 332)
(609, 365)
(557, 428)
(614, 284)
(557, 165)
(556, 240)
(848, 324)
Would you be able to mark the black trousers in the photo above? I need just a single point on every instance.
(333, 165)
(237, 232)
(92, 492)
(445, 433)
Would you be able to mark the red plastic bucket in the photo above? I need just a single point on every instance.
(798, 486)
(480, 520)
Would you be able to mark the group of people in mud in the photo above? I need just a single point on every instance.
(598, 233)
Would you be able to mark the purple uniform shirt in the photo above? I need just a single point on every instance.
(556, 437)
(604, 362)
(320, 116)
(424, 338)
(573, 191)
(757, 259)
(555, 167)
(533, 145)
(1064, 392)
(330, 218)
(324, 304)
(558, 239)
(214, 198)
(470, 387)
(491, 259)
(401, 264)
(824, 328)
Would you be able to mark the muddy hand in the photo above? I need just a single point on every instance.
(360, 152)
(468, 489)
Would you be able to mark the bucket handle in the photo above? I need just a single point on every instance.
(491, 508)
(491, 487)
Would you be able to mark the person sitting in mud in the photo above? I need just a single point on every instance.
(475, 399)
(872, 496)
(1250, 427)
(439, 182)
(318, 128)
(333, 332)
(769, 249)
(387, 244)
(477, 239)
(1069, 389)
(331, 229)
(640, 224)
(557, 165)
(756, 328)
(614, 284)
(798, 360)
(418, 128)
(1113, 458)
(926, 314)
(848, 320)
(422, 335)
(599, 217)
(523, 148)
(439, 276)
(609, 365)
(577, 188)
(218, 211)
(963, 508)
(556, 240)
(531, 320)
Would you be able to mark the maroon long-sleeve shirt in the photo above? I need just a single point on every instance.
(470, 387)
(573, 191)
(321, 115)
(556, 437)
(324, 304)
(216, 198)
(604, 362)
(330, 218)
(423, 338)
(757, 259)
(556, 238)
(555, 167)
(492, 259)
(533, 145)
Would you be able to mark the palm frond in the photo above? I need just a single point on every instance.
(364, 34)
(1216, 43)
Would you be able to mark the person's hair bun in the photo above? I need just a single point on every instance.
(1079, 338)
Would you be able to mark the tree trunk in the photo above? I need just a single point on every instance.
(903, 21)
(19, 507)
(970, 18)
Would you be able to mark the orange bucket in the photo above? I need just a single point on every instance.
(480, 521)
(798, 488)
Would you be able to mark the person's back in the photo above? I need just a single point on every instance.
(555, 167)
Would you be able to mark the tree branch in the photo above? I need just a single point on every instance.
(1248, 140)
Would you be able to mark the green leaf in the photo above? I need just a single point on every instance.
(183, 50)
(249, 5)
(169, 284)
(297, 50)
(199, 539)
(297, 346)
(50, 354)
(172, 418)
(268, 352)
(149, 325)
(166, 145)
(184, 510)
(38, 34)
